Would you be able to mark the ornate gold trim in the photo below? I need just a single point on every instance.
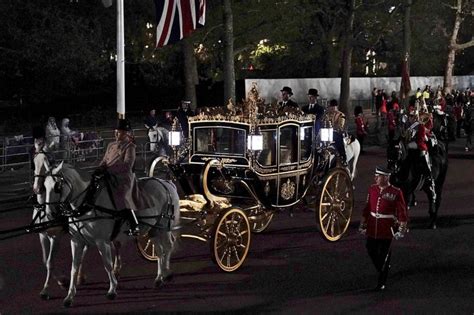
(288, 190)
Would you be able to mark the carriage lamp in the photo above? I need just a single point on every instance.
(175, 134)
(174, 138)
(255, 142)
(327, 134)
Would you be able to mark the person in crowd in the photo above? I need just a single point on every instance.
(374, 96)
(286, 93)
(426, 93)
(314, 108)
(118, 163)
(52, 134)
(338, 122)
(468, 124)
(184, 111)
(378, 102)
(440, 103)
(39, 146)
(68, 134)
(383, 218)
(392, 117)
(418, 93)
(362, 126)
(383, 107)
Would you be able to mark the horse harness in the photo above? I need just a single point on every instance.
(164, 220)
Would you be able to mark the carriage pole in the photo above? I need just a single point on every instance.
(120, 62)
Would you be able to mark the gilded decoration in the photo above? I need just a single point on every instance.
(252, 110)
(262, 170)
(222, 160)
(288, 190)
(267, 188)
(288, 168)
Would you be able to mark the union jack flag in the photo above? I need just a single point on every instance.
(176, 19)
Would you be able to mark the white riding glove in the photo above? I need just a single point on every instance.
(398, 235)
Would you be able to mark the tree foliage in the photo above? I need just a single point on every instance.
(51, 50)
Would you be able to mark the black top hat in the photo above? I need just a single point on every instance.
(38, 132)
(123, 124)
(382, 170)
(287, 90)
(332, 103)
(313, 92)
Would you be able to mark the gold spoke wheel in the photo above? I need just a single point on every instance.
(146, 247)
(336, 204)
(230, 239)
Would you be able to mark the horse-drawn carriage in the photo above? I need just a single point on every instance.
(241, 165)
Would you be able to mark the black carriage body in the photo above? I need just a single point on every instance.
(278, 175)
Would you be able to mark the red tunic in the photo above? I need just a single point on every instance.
(391, 121)
(421, 138)
(384, 207)
(442, 104)
(360, 125)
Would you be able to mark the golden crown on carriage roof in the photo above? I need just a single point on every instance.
(252, 110)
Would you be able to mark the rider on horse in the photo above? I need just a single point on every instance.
(117, 164)
(420, 134)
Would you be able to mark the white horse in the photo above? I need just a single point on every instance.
(50, 239)
(352, 147)
(65, 187)
(158, 139)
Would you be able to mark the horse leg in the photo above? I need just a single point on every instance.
(81, 276)
(412, 200)
(116, 246)
(432, 206)
(77, 250)
(105, 251)
(46, 247)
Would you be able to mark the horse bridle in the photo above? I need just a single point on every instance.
(64, 205)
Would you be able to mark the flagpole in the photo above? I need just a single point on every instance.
(120, 62)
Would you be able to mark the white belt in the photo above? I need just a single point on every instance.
(382, 216)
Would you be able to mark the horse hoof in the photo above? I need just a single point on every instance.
(433, 226)
(159, 283)
(111, 296)
(168, 278)
(44, 296)
(67, 303)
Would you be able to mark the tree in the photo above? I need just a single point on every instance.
(347, 60)
(229, 71)
(462, 11)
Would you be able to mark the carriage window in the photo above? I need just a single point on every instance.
(306, 139)
(267, 156)
(289, 144)
(219, 140)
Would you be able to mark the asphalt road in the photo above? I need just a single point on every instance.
(290, 268)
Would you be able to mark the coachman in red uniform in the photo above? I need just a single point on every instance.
(384, 217)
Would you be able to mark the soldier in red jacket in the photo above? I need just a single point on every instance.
(384, 217)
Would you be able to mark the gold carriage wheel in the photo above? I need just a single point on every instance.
(336, 204)
(231, 239)
(261, 223)
(159, 168)
(146, 247)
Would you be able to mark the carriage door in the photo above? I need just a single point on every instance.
(288, 159)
